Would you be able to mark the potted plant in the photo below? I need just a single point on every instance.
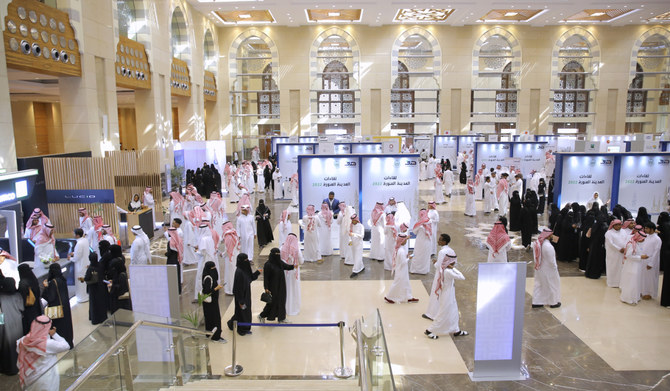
(192, 343)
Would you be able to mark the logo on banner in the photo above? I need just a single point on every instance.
(80, 196)
(605, 162)
(663, 162)
(308, 148)
(504, 146)
(350, 164)
(410, 163)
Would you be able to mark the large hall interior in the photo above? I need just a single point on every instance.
(144, 139)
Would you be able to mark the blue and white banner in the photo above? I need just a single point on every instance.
(581, 176)
(81, 196)
(531, 156)
(319, 175)
(644, 181)
(446, 147)
(386, 177)
(287, 159)
(366, 148)
(465, 144)
(491, 154)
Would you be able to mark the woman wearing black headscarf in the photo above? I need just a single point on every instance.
(554, 214)
(263, 227)
(27, 284)
(642, 216)
(515, 212)
(463, 175)
(274, 282)
(663, 224)
(55, 293)
(242, 293)
(12, 330)
(97, 291)
(596, 260)
(210, 306)
(542, 195)
(563, 229)
(267, 177)
(531, 204)
(526, 225)
(119, 292)
(588, 222)
(105, 257)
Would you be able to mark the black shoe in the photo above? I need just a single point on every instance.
(427, 332)
(426, 317)
(537, 305)
(353, 275)
(555, 305)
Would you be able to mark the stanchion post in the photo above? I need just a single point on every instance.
(342, 371)
(234, 369)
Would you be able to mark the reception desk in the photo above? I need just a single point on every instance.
(143, 218)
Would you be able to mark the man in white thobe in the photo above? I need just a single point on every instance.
(447, 317)
(434, 217)
(148, 201)
(547, 286)
(356, 231)
(615, 243)
(276, 178)
(651, 269)
(400, 290)
(206, 252)
(79, 257)
(246, 229)
(434, 300)
(517, 185)
(140, 249)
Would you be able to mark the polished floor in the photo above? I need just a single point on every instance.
(593, 342)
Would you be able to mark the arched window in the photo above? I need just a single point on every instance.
(496, 66)
(647, 99)
(415, 92)
(335, 97)
(254, 90)
(209, 52)
(572, 100)
(268, 102)
(402, 97)
(575, 68)
(179, 37)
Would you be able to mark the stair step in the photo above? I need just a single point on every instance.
(263, 385)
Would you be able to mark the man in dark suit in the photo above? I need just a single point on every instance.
(333, 203)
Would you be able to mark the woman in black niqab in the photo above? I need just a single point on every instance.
(274, 282)
(242, 292)
(97, 290)
(28, 281)
(210, 286)
(263, 227)
(55, 293)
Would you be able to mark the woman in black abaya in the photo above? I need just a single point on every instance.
(596, 261)
(642, 217)
(97, 291)
(118, 299)
(55, 293)
(515, 212)
(267, 177)
(554, 214)
(526, 226)
(274, 282)
(542, 195)
(263, 227)
(663, 224)
(242, 293)
(210, 276)
(28, 281)
(464, 174)
(588, 222)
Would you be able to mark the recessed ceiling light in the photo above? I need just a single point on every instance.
(596, 14)
(511, 14)
(333, 13)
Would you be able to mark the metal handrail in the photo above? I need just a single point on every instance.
(115, 347)
(386, 348)
(365, 374)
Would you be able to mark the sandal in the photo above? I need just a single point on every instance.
(461, 333)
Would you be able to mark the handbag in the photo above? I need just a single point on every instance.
(94, 278)
(208, 296)
(56, 311)
(30, 299)
(266, 297)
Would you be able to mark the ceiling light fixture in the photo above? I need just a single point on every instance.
(598, 14)
(511, 14)
(245, 16)
(333, 14)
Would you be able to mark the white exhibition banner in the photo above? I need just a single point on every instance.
(284, 140)
(531, 156)
(197, 153)
(467, 143)
(581, 176)
(287, 158)
(391, 176)
(342, 149)
(491, 154)
(422, 143)
(319, 175)
(565, 144)
(446, 147)
(551, 141)
(390, 146)
(644, 181)
(357, 148)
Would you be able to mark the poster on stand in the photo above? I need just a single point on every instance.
(644, 181)
(319, 175)
(366, 148)
(583, 175)
(492, 154)
(446, 147)
(287, 159)
(531, 156)
(393, 176)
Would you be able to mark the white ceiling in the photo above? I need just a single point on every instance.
(382, 12)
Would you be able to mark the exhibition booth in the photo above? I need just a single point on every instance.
(526, 156)
(360, 181)
(192, 155)
(449, 146)
(630, 179)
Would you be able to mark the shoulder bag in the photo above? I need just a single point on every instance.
(56, 311)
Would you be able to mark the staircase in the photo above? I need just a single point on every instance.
(264, 385)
